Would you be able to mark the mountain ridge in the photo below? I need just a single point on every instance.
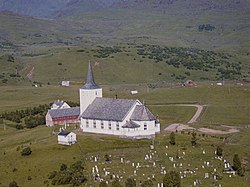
(54, 8)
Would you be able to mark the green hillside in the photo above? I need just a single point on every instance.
(179, 43)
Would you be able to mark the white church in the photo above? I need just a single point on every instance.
(122, 117)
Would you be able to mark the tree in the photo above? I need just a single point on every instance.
(237, 165)
(116, 183)
(130, 182)
(193, 139)
(147, 183)
(13, 184)
(219, 151)
(172, 179)
(103, 184)
(172, 138)
(26, 151)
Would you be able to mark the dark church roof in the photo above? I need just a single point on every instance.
(66, 112)
(90, 84)
(109, 109)
(142, 113)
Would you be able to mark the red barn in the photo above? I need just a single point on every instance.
(62, 116)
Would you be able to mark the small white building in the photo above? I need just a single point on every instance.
(66, 138)
(66, 83)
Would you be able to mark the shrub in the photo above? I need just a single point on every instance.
(172, 179)
(172, 138)
(63, 167)
(26, 151)
(219, 151)
(116, 183)
(147, 183)
(13, 184)
(193, 139)
(103, 184)
(130, 182)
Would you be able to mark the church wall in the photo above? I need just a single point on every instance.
(87, 96)
(130, 132)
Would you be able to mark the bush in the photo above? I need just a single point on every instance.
(172, 179)
(237, 165)
(103, 184)
(19, 126)
(26, 151)
(63, 167)
(13, 184)
(116, 183)
(219, 151)
(172, 138)
(130, 182)
(147, 183)
(193, 139)
(106, 156)
(68, 175)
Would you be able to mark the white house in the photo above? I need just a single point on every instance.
(66, 138)
(123, 117)
(59, 105)
(66, 83)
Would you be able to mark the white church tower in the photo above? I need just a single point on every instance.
(89, 91)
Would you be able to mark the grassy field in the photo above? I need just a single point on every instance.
(52, 65)
(222, 108)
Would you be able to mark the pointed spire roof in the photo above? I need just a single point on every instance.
(90, 83)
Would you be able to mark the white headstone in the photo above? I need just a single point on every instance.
(206, 175)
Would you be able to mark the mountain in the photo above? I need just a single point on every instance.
(53, 8)
(37, 8)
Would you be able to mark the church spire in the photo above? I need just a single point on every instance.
(90, 83)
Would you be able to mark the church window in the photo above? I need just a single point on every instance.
(145, 126)
(87, 123)
(94, 123)
(95, 93)
(117, 126)
(102, 125)
(110, 125)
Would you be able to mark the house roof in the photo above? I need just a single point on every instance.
(130, 124)
(63, 133)
(65, 112)
(58, 103)
(90, 84)
(142, 113)
(108, 109)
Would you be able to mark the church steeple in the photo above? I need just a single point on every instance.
(89, 91)
(90, 83)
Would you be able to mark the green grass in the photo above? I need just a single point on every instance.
(48, 156)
